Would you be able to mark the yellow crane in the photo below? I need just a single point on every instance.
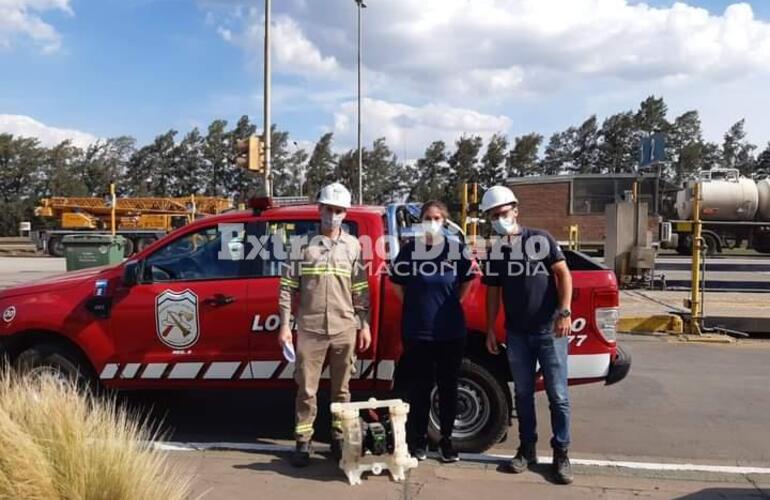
(141, 220)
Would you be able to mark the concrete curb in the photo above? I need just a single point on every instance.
(657, 323)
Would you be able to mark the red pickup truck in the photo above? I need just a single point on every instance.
(177, 316)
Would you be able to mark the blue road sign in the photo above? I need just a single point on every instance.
(653, 149)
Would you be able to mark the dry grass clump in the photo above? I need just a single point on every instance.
(57, 443)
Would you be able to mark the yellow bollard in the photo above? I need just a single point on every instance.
(697, 246)
(574, 237)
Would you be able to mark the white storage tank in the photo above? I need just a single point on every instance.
(726, 196)
(763, 187)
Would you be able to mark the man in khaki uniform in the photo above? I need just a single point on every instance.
(328, 280)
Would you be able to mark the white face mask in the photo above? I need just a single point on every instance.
(331, 220)
(432, 227)
(505, 226)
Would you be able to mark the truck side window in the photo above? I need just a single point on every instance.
(286, 232)
(199, 256)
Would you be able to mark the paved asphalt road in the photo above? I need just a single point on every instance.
(681, 403)
(722, 272)
(689, 403)
(694, 402)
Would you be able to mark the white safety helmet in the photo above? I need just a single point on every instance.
(334, 194)
(497, 196)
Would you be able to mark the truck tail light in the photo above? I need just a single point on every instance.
(606, 314)
(607, 322)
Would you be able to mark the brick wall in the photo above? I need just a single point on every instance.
(546, 206)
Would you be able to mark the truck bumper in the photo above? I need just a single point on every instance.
(619, 367)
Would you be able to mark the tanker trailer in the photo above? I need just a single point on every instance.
(734, 210)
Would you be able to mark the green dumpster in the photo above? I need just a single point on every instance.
(91, 250)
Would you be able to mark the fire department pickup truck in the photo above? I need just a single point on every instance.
(177, 316)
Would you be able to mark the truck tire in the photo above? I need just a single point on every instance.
(55, 246)
(713, 243)
(128, 249)
(143, 243)
(684, 247)
(482, 411)
(58, 360)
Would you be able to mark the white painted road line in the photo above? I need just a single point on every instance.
(476, 457)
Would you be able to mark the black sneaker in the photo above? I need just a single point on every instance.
(301, 455)
(336, 448)
(562, 470)
(526, 455)
(447, 451)
(419, 449)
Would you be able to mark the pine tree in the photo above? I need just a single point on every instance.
(763, 163)
(431, 174)
(737, 152)
(687, 146)
(463, 163)
(523, 157)
(218, 155)
(382, 174)
(147, 171)
(321, 166)
(239, 183)
(190, 165)
(558, 153)
(585, 155)
(284, 181)
(493, 167)
(619, 142)
(651, 116)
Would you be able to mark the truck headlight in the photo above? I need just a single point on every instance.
(607, 322)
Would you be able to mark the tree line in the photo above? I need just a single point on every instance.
(201, 162)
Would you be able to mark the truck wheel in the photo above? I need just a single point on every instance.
(143, 243)
(128, 249)
(55, 247)
(58, 360)
(684, 246)
(712, 243)
(482, 410)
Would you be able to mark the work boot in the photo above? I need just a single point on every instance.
(336, 448)
(419, 448)
(562, 470)
(301, 455)
(447, 451)
(526, 455)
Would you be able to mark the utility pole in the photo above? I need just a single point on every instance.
(268, 174)
(361, 6)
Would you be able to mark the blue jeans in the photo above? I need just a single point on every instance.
(524, 351)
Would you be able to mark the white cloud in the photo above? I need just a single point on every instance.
(505, 45)
(545, 64)
(21, 19)
(293, 52)
(24, 126)
(413, 127)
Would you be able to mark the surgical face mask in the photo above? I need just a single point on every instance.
(505, 226)
(330, 220)
(432, 227)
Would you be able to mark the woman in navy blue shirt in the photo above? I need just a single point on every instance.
(431, 275)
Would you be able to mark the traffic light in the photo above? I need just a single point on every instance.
(249, 154)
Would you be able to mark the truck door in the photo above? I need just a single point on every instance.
(187, 317)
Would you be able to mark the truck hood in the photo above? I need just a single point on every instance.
(56, 283)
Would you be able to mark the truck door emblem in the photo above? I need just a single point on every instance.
(176, 318)
(9, 314)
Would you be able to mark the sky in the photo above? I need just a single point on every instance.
(433, 69)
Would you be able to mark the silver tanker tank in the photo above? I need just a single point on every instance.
(726, 195)
(763, 187)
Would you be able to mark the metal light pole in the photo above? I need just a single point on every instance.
(267, 106)
(361, 6)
